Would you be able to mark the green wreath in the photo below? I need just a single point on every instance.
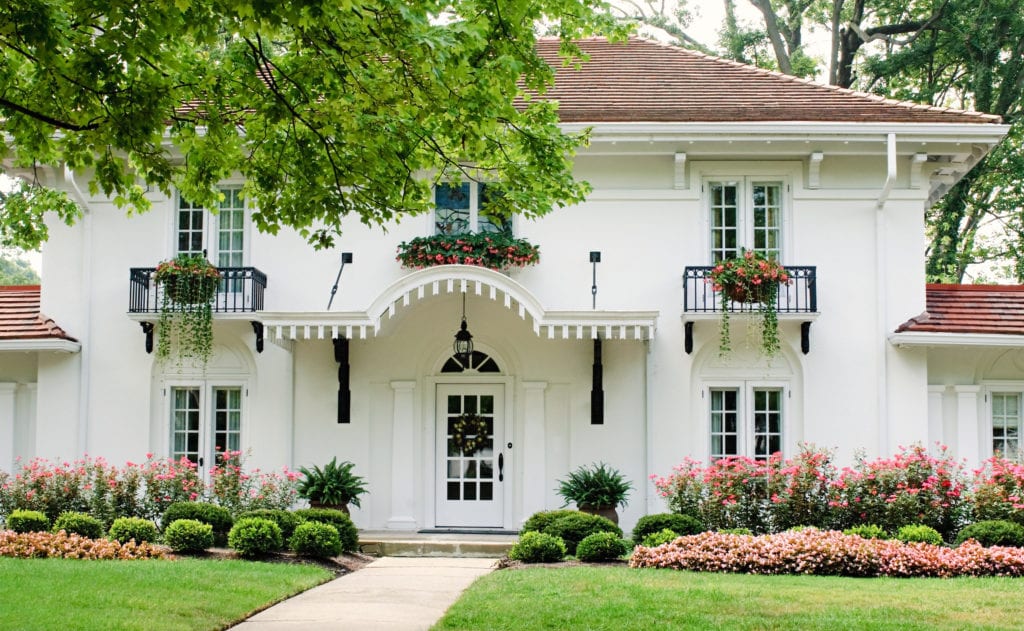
(469, 433)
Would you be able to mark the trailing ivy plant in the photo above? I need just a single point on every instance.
(188, 286)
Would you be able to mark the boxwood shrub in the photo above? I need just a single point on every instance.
(75, 523)
(216, 516)
(601, 546)
(867, 531)
(255, 536)
(285, 520)
(676, 522)
(537, 547)
(316, 539)
(919, 533)
(993, 532)
(342, 522)
(659, 538)
(124, 529)
(28, 521)
(539, 521)
(574, 527)
(188, 535)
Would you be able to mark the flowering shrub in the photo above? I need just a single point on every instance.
(64, 546)
(999, 490)
(494, 250)
(238, 491)
(812, 551)
(912, 487)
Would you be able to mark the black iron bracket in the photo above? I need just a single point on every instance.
(257, 328)
(147, 330)
(344, 394)
(805, 337)
(597, 389)
(688, 342)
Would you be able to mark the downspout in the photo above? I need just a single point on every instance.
(881, 258)
(85, 358)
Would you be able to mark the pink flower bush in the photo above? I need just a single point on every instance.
(812, 551)
(999, 490)
(238, 491)
(912, 487)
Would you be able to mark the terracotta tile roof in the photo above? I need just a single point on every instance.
(641, 80)
(992, 309)
(20, 318)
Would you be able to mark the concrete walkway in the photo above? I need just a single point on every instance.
(390, 594)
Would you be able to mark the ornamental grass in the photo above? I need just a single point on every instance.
(828, 553)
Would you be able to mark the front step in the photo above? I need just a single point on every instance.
(412, 544)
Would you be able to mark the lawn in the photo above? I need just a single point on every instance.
(595, 598)
(152, 594)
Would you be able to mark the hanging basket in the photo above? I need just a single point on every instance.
(748, 294)
(188, 289)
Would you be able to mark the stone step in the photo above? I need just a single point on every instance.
(410, 544)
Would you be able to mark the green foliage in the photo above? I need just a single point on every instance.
(125, 529)
(867, 531)
(316, 539)
(28, 521)
(334, 484)
(995, 532)
(23, 209)
(80, 524)
(14, 270)
(255, 536)
(540, 520)
(655, 539)
(497, 251)
(919, 533)
(601, 546)
(736, 531)
(188, 283)
(575, 527)
(537, 547)
(188, 535)
(216, 516)
(598, 486)
(325, 138)
(679, 524)
(341, 522)
(285, 520)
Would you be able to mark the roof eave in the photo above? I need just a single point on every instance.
(40, 345)
(911, 339)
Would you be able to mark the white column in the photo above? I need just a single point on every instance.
(935, 415)
(403, 461)
(968, 445)
(7, 416)
(533, 451)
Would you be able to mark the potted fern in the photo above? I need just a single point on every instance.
(334, 486)
(750, 278)
(189, 285)
(596, 489)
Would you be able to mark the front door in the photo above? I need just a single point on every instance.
(470, 463)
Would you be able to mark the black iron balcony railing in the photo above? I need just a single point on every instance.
(240, 290)
(798, 295)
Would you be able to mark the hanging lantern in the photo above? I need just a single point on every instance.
(463, 345)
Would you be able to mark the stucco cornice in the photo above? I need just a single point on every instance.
(40, 345)
(978, 340)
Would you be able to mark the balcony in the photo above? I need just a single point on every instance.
(240, 291)
(798, 296)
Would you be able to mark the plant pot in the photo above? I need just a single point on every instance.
(608, 512)
(746, 294)
(342, 507)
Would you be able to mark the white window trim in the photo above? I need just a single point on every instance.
(206, 387)
(211, 226)
(474, 209)
(998, 387)
(745, 412)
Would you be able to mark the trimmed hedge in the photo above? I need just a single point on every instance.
(575, 527)
(993, 532)
(75, 523)
(285, 520)
(342, 522)
(188, 535)
(125, 529)
(919, 533)
(23, 521)
(601, 546)
(537, 547)
(316, 539)
(867, 531)
(255, 536)
(676, 522)
(539, 521)
(216, 516)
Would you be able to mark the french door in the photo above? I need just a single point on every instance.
(205, 421)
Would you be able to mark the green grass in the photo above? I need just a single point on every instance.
(152, 595)
(596, 598)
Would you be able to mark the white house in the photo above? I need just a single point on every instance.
(692, 158)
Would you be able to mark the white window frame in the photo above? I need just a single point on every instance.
(207, 413)
(746, 440)
(992, 390)
(474, 208)
(211, 228)
(745, 209)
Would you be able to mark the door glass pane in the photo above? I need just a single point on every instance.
(767, 212)
(227, 414)
(723, 422)
(767, 421)
(724, 221)
(185, 430)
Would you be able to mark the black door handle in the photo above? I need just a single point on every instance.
(501, 467)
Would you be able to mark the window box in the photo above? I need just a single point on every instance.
(495, 251)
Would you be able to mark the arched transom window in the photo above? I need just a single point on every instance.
(478, 362)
